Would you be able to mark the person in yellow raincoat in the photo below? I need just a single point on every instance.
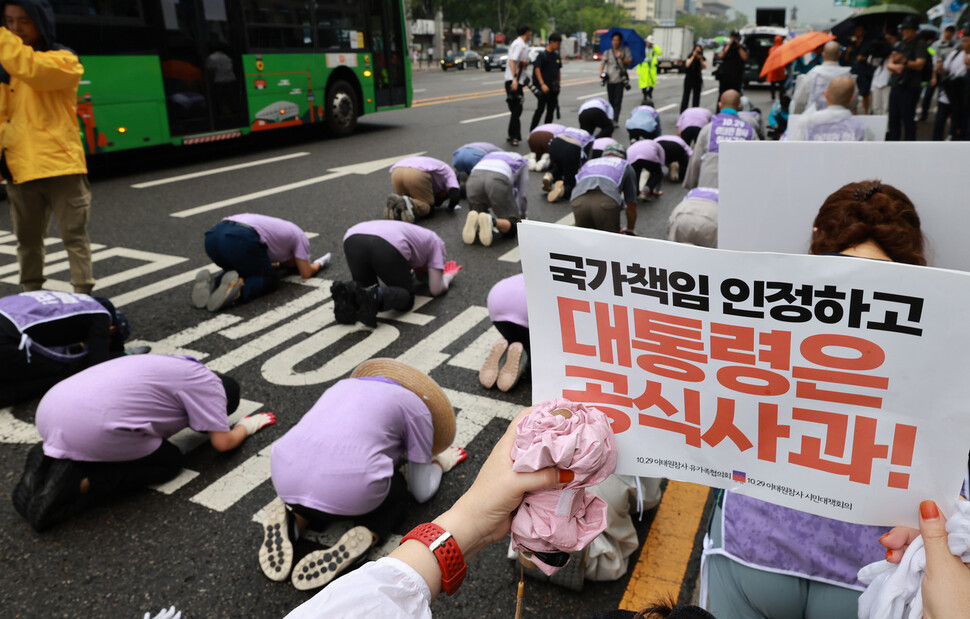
(647, 71)
(43, 158)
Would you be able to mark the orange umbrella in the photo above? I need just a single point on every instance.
(795, 48)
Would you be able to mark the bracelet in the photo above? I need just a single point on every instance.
(445, 549)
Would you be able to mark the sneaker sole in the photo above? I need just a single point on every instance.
(320, 567)
(201, 289)
(276, 552)
(470, 230)
(220, 296)
(393, 207)
(489, 372)
(407, 214)
(509, 374)
(485, 229)
(546, 185)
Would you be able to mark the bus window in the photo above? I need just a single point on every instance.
(103, 27)
(386, 32)
(282, 24)
(340, 25)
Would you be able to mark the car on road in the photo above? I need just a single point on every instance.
(496, 59)
(597, 55)
(463, 60)
(449, 61)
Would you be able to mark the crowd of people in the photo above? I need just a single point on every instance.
(106, 415)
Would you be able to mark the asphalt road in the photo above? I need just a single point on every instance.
(193, 543)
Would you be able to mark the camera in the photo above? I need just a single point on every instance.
(603, 78)
(626, 82)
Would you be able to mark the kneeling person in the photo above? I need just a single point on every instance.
(602, 187)
(498, 192)
(340, 462)
(647, 159)
(250, 249)
(420, 183)
(104, 431)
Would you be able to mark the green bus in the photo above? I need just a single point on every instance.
(177, 72)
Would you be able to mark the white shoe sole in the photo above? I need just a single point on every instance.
(485, 229)
(510, 372)
(224, 294)
(489, 372)
(320, 567)
(201, 288)
(470, 230)
(276, 552)
(556, 193)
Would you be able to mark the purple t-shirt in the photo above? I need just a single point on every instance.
(694, 117)
(553, 128)
(506, 301)
(580, 135)
(419, 246)
(123, 409)
(284, 240)
(598, 103)
(600, 144)
(702, 193)
(350, 443)
(442, 176)
(726, 127)
(676, 139)
(645, 150)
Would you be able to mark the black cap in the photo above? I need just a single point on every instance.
(232, 393)
(910, 22)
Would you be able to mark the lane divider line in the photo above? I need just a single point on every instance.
(239, 166)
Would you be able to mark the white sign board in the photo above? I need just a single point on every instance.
(877, 125)
(829, 385)
(770, 192)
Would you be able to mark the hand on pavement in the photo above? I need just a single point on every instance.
(450, 458)
(323, 260)
(452, 268)
(255, 423)
(171, 613)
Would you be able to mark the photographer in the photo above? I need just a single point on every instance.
(613, 73)
(730, 73)
(517, 60)
(548, 66)
(693, 78)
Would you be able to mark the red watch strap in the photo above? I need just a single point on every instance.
(446, 551)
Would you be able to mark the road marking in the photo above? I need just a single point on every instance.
(709, 91)
(360, 168)
(459, 98)
(160, 286)
(417, 90)
(667, 107)
(598, 93)
(239, 166)
(514, 255)
(188, 439)
(427, 354)
(471, 358)
(481, 118)
(659, 572)
(155, 262)
(13, 430)
(493, 82)
(237, 483)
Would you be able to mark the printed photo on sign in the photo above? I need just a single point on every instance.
(829, 385)
(770, 191)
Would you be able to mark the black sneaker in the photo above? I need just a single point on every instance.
(344, 302)
(58, 497)
(35, 470)
(367, 306)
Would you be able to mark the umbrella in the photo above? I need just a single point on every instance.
(793, 49)
(638, 47)
(885, 17)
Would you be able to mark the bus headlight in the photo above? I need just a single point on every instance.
(367, 73)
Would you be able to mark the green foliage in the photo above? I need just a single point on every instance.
(710, 27)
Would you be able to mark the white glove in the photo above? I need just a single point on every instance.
(171, 613)
(323, 260)
(255, 423)
(450, 458)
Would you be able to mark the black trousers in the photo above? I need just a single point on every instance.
(614, 93)
(112, 478)
(689, 135)
(547, 102)
(514, 333)
(674, 152)
(371, 258)
(656, 172)
(640, 134)
(514, 100)
(902, 113)
(382, 521)
(566, 159)
(732, 83)
(692, 92)
(594, 118)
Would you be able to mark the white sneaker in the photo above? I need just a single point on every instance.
(544, 163)
(489, 372)
(202, 288)
(644, 177)
(547, 179)
(485, 228)
(530, 161)
(321, 566)
(516, 361)
(408, 213)
(323, 260)
(557, 191)
(470, 230)
(276, 551)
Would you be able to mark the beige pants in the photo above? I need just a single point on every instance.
(68, 199)
(595, 209)
(416, 185)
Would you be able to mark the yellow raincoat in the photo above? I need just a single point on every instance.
(647, 70)
(38, 109)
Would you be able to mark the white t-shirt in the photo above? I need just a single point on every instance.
(954, 67)
(518, 52)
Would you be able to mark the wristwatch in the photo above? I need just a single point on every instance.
(445, 550)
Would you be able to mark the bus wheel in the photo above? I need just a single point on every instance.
(342, 112)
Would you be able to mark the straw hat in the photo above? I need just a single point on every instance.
(423, 386)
